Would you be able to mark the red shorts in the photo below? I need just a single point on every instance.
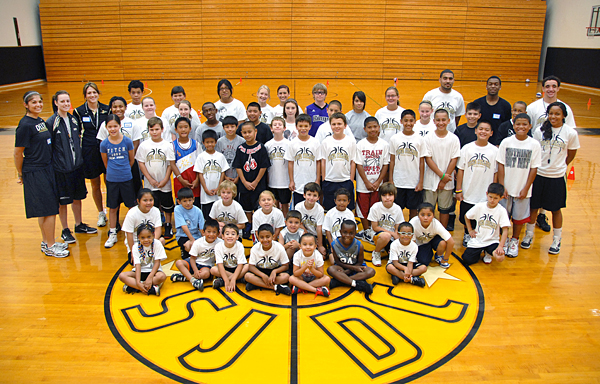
(364, 202)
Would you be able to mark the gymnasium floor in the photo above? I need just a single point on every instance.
(533, 319)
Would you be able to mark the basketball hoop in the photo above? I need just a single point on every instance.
(593, 31)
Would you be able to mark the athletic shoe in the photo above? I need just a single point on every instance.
(128, 289)
(513, 248)
(250, 287)
(487, 259)
(296, 290)
(363, 286)
(101, 219)
(555, 247)
(118, 226)
(376, 258)
(44, 247)
(466, 239)
(322, 291)
(438, 258)
(198, 284)
(56, 251)
(542, 222)
(112, 239)
(168, 231)
(334, 283)
(241, 281)
(443, 263)
(63, 246)
(218, 282)
(369, 236)
(450, 226)
(283, 289)
(395, 280)
(177, 277)
(418, 281)
(84, 228)
(154, 290)
(67, 236)
(527, 239)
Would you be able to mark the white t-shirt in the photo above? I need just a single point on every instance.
(171, 113)
(518, 157)
(290, 132)
(555, 150)
(372, 157)
(389, 121)
(537, 113)
(338, 155)
(135, 218)
(273, 258)
(278, 175)
(452, 102)
(148, 256)
(134, 112)
(230, 257)
(278, 110)
(424, 235)
(156, 157)
(407, 152)
(304, 156)
(311, 218)
(325, 131)
(479, 166)
(266, 114)
(423, 130)
(333, 221)
(299, 260)
(441, 150)
(128, 129)
(204, 251)
(489, 222)
(234, 108)
(356, 122)
(386, 218)
(211, 166)
(275, 218)
(142, 127)
(231, 214)
(403, 253)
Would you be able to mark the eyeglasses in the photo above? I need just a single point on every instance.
(319, 93)
(405, 233)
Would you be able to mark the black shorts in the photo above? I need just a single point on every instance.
(164, 201)
(199, 266)
(230, 270)
(330, 187)
(549, 193)
(266, 271)
(416, 265)
(70, 186)
(283, 195)
(137, 177)
(472, 255)
(408, 198)
(181, 241)
(298, 198)
(121, 192)
(425, 252)
(39, 190)
(205, 208)
(93, 166)
(249, 200)
(464, 208)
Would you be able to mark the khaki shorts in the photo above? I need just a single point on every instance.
(443, 198)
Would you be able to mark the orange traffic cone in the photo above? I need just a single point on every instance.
(571, 175)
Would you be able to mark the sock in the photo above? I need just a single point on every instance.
(542, 212)
(530, 228)
(558, 233)
(275, 287)
(112, 230)
(353, 283)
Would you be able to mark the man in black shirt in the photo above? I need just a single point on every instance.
(494, 109)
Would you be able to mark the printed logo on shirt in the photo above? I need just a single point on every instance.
(425, 237)
(347, 257)
(229, 260)
(487, 221)
(267, 262)
(404, 256)
(250, 164)
(276, 154)
(407, 149)
(448, 107)
(41, 127)
(135, 114)
(518, 158)
(226, 217)
(335, 228)
(157, 155)
(479, 160)
(212, 166)
(304, 154)
(309, 221)
(387, 221)
(338, 154)
(555, 142)
(390, 124)
(322, 119)
(207, 254)
(372, 161)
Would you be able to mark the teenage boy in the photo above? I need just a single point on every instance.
(171, 113)
(317, 110)
(325, 128)
(506, 129)
(494, 109)
(263, 131)
(228, 144)
(303, 166)
(210, 113)
(134, 109)
(466, 132)
(446, 98)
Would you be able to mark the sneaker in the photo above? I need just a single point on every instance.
(241, 281)
(118, 226)
(67, 236)
(56, 251)
(450, 226)
(376, 258)
(84, 228)
(112, 239)
(487, 259)
(334, 283)
(322, 291)
(283, 289)
(128, 289)
(154, 290)
(418, 281)
(177, 278)
(555, 247)
(360, 234)
(527, 239)
(218, 282)
(363, 286)
(443, 263)
(63, 246)
(168, 231)
(542, 222)
(466, 239)
(198, 284)
(369, 236)
(438, 258)
(395, 280)
(250, 287)
(44, 247)
(101, 219)
(513, 248)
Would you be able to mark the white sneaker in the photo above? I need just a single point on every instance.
(526, 243)
(101, 219)
(112, 239)
(466, 239)
(555, 247)
(369, 234)
(56, 251)
(513, 248)
(487, 259)
(376, 258)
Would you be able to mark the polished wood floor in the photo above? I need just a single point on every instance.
(542, 312)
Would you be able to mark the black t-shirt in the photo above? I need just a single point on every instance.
(495, 114)
(465, 134)
(506, 130)
(34, 136)
(90, 123)
(263, 132)
(250, 159)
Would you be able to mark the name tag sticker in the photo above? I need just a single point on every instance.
(49, 141)
(496, 115)
(86, 119)
(127, 125)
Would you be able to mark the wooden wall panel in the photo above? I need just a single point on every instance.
(209, 39)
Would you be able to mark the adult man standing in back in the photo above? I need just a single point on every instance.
(494, 109)
(445, 97)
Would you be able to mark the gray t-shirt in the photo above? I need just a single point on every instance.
(227, 148)
(203, 127)
(356, 122)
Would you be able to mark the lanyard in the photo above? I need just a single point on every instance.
(555, 140)
(90, 113)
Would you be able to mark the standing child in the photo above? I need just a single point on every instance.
(407, 164)
(143, 213)
(371, 169)
(283, 93)
(289, 236)
(519, 157)
(303, 166)
(226, 210)
(317, 110)
(431, 236)
(268, 264)
(228, 145)
(263, 95)
(279, 179)
(231, 260)
(506, 129)
(389, 116)
(210, 113)
(171, 113)
(332, 223)
(184, 110)
(349, 267)
(134, 109)
(227, 104)
(263, 131)
(385, 216)
(147, 275)
(117, 154)
(189, 221)
(312, 213)
(403, 264)
(196, 268)
(425, 123)
(186, 153)
(466, 132)
(325, 128)
(157, 159)
(149, 106)
(308, 269)
(210, 167)
(357, 115)
(290, 114)
(267, 214)
(489, 218)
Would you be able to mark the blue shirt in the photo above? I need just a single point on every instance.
(118, 168)
(318, 116)
(193, 218)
